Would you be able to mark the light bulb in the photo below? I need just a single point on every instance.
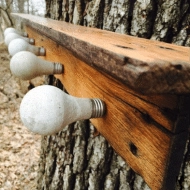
(13, 30)
(19, 44)
(11, 36)
(26, 66)
(47, 109)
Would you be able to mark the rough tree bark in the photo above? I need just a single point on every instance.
(78, 157)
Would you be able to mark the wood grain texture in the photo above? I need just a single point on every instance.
(147, 66)
(147, 131)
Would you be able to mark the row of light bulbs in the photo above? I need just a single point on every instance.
(45, 109)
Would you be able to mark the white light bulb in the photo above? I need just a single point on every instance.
(13, 30)
(47, 109)
(19, 44)
(11, 36)
(26, 66)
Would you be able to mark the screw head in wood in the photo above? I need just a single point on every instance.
(47, 110)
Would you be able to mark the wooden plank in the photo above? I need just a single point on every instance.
(147, 66)
(145, 130)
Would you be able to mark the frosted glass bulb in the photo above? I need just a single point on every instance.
(13, 30)
(11, 36)
(26, 66)
(19, 44)
(47, 109)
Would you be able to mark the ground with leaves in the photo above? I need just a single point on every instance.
(19, 148)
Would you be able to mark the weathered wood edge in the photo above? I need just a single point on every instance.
(177, 148)
(159, 78)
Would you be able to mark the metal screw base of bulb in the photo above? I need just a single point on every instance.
(31, 41)
(42, 51)
(98, 108)
(58, 68)
(25, 34)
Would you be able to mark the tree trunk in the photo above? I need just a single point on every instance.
(79, 157)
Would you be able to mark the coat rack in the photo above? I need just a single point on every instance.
(145, 85)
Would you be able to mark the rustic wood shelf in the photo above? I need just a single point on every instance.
(145, 86)
(146, 66)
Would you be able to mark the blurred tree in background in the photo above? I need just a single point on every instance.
(7, 7)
